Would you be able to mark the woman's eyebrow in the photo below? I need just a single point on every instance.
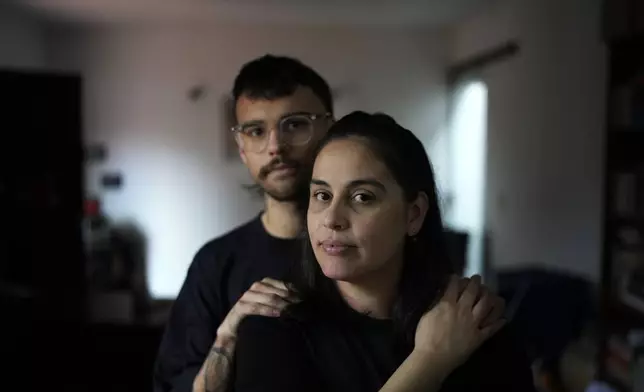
(368, 181)
(318, 182)
(355, 183)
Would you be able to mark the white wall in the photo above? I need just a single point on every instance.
(179, 187)
(546, 116)
(21, 39)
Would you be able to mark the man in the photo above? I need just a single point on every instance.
(282, 109)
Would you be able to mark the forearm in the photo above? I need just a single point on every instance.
(418, 373)
(216, 369)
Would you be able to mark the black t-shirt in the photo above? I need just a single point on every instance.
(220, 273)
(357, 354)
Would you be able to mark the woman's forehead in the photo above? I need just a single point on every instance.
(346, 160)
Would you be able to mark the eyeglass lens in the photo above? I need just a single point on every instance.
(292, 130)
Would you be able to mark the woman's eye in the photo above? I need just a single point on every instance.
(362, 198)
(321, 196)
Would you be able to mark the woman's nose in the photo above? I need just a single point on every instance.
(335, 218)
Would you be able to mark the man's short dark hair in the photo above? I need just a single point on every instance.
(271, 77)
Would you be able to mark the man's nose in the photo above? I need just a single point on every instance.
(275, 145)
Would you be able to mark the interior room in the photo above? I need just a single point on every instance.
(116, 165)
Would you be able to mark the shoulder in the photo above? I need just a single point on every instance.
(282, 336)
(223, 246)
(271, 355)
(501, 362)
(233, 238)
(503, 345)
(268, 329)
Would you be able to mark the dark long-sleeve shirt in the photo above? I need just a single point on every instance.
(358, 355)
(220, 273)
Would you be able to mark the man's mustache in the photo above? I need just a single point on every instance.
(267, 169)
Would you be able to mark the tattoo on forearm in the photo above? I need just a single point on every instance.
(217, 370)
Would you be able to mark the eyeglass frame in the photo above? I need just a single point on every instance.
(311, 116)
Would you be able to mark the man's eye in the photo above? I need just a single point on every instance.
(295, 124)
(253, 131)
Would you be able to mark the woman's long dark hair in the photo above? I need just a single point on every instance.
(426, 267)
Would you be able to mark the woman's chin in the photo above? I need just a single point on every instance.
(336, 275)
(338, 271)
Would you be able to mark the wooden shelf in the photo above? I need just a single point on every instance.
(624, 155)
(623, 315)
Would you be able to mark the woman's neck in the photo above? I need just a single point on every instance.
(375, 293)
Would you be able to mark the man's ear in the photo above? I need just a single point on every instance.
(242, 155)
(416, 214)
(329, 122)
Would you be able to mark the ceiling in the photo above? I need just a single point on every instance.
(308, 12)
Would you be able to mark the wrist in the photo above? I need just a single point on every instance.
(224, 343)
(438, 365)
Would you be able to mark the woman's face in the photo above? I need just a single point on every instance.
(358, 217)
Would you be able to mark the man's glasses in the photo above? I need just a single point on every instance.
(293, 130)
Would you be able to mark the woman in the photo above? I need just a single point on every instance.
(380, 309)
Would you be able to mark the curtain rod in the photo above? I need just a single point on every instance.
(481, 60)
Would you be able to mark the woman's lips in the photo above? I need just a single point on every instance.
(335, 248)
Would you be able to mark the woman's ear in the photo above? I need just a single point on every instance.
(416, 213)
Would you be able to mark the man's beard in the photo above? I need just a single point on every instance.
(297, 192)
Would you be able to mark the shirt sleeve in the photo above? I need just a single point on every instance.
(191, 328)
(499, 365)
(272, 356)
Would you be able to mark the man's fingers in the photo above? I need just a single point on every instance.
(462, 285)
(261, 287)
(483, 308)
(261, 299)
(258, 309)
(497, 311)
(452, 291)
(471, 293)
(492, 329)
(265, 298)
(275, 283)
(268, 284)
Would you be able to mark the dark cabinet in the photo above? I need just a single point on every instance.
(42, 289)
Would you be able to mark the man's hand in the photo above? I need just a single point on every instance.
(489, 306)
(265, 298)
